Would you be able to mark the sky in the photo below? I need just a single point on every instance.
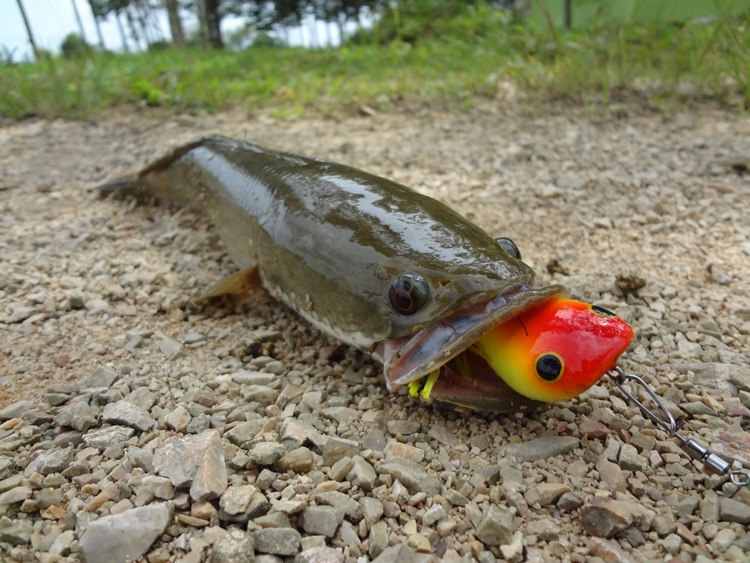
(52, 20)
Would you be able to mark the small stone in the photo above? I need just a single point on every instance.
(395, 449)
(197, 461)
(54, 460)
(62, 544)
(321, 554)
(603, 517)
(611, 474)
(160, 487)
(544, 494)
(178, 419)
(78, 415)
(541, 448)
(243, 432)
(630, 460)
(735, 511)
(433, 514)
(102, 438)
(123, 537)
(513, 552)
(442, 435)
(341, 469)
(14, 495)
(337, 448)
(594, 429)
(260, 394)
(170, 347)
(496, 526)
(20, 313)
(236, 546)
(300, 460)
(266, 453)
(15, 532)
(342, 502)
(339, 414)
(362, 474)
(372, 509)
(403, 427)
(378, 539)
(123, 412)
(16, 410)
(277, 541)
(244, 377)
(412, 475)
(99, 378)
(243, 503)
(321, 520)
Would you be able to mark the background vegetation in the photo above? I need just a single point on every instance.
(430, 51)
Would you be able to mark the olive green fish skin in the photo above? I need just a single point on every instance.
(328, 238)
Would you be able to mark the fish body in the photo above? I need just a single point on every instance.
(370, 261)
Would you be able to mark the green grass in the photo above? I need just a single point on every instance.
(663, 64)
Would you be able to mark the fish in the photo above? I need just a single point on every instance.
(373, 263)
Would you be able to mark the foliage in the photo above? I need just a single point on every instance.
(473, 56)
(73, 46)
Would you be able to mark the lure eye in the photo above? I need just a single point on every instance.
(408, 293)
(549, 366)
(509, 247)
(601, 311)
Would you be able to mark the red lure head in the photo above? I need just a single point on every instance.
(556, 350)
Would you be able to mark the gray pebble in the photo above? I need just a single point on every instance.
(102, 438)
(442, 435)
(412, 475)
(194, 461)
(242, 503)
(735, 511)
(123, 412)
(337, 448)
(342, 502)
(124, 536)
(321, 520)
(378, 539)
(50, 461)
(298, 460)
(496, 526)
(78, 415)
(178, 419)
(243, 432)
(244, 377)
(266, 453)
(362, 474)
(16, 410)
(371, 509)
(277, 541)
(321, 554)
(630, 460)
(15, 532)
(236, 546)
(540, 448)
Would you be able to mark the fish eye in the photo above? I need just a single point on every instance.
(549, 366)
(509, 247)
(408, 293)
(601, 311)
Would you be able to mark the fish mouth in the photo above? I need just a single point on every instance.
(437, 359)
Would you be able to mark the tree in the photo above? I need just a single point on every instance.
(28, 30)
(175, 23)
(96, 11)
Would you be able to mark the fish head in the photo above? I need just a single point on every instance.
(512, 353)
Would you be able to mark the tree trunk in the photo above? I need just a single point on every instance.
(28, 30)
(78, 19)
(213, 23)
(122, 32)
(175, 23)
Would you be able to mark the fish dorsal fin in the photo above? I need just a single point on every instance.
(239, 285)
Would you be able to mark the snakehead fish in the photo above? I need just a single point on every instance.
(387, 270)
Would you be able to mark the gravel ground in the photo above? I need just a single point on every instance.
(133, 424)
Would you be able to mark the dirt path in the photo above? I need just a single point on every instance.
(86, 282)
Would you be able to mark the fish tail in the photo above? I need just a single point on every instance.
(131, 185)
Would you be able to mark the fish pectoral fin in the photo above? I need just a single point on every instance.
(240, 284)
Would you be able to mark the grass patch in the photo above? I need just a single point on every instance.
(477, 58)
